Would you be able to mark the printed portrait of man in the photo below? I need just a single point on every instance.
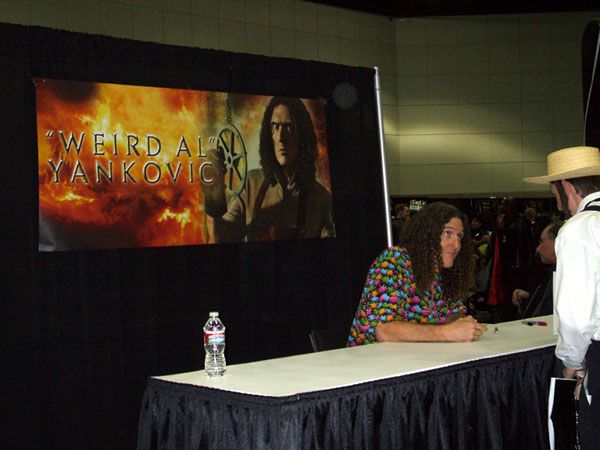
(282, 199)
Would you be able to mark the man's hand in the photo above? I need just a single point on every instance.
(518, 295)
(575, 373)
(572, 373)
(465, 329)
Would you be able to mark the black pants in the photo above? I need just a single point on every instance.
(589, 415)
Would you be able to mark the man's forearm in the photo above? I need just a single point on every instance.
(402, 331)
(457, 329)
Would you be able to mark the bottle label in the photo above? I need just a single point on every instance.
(214, 338)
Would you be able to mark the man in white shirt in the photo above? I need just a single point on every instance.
(574, 174)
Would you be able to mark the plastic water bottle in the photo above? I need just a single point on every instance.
(214, 346)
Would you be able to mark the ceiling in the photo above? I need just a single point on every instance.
(422, 8)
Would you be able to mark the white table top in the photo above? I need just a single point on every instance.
(349, 366)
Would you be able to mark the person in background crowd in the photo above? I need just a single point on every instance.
(533, 230)
(509, 255)
(529, 214)
(399, 219)
(481, 235)
(512, 228)
(543, 304)
(413, 291)
(574, 175)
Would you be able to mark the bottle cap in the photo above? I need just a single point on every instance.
(213, 314)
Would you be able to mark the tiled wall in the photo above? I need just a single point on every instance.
(471, 104)
(482, 100)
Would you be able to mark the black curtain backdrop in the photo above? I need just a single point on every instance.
(85, 329)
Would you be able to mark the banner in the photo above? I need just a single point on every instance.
(135, 166)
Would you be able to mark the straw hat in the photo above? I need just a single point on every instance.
(572, 162)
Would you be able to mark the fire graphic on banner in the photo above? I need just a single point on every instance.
(125, 166)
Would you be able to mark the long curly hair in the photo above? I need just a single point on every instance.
(307, 141)
(422, 236)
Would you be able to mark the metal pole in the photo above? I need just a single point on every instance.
(386, 199)
(589, 95)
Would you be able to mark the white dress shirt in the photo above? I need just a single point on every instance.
(578, 284)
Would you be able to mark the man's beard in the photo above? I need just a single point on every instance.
(564, 200)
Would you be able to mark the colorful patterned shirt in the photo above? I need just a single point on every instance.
(390, 294)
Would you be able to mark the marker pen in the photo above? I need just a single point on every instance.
(534, 322)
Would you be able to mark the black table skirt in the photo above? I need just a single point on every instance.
(498, 403)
